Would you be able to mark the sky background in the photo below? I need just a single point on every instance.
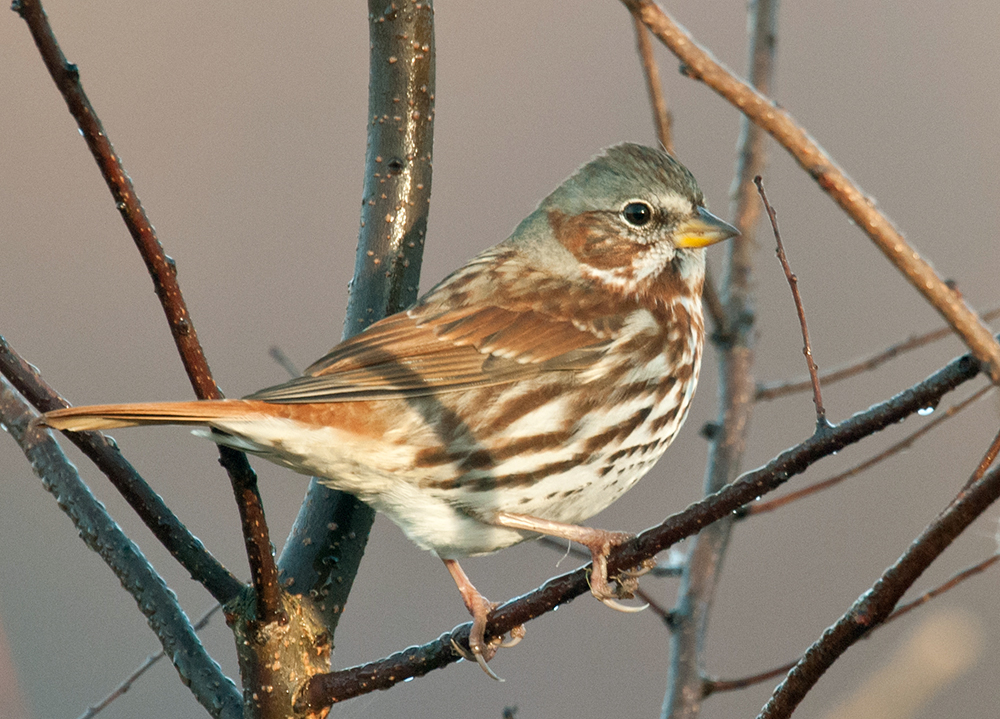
(243, 128)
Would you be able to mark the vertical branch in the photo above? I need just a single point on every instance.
(325, 546)
(691, 614)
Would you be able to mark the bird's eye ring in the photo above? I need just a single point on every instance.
(637, 214)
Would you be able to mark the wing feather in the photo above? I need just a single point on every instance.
(408, 356)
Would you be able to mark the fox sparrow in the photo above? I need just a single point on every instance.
(523, 394)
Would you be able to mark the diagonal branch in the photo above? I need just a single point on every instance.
(155, 600)
(186, 548)
(163, 272)
(773, 390)
(700, 65)
(875, 606)
(713, 686)
(326, 689)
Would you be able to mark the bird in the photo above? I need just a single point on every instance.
(520, 396)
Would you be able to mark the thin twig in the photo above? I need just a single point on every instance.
(774, 390)
(700, 65)
(279, 356)
(942, 588)
(657, 101)
(762, 507)
(163, 272)
(95, 709)
(713, 686)
(325, 689)
(985, 462)
(822, 425)
(100, 533)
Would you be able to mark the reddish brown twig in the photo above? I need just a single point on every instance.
(163, 272)
(822, 425)
(780, 389)
(713, 686)
(700, 65)
(662, 118)
(778, 502)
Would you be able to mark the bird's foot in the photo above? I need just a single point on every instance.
(479, 650)
(600, 542)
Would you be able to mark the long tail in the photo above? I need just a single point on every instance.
(109, 416)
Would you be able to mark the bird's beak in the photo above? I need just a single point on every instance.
(703, 230)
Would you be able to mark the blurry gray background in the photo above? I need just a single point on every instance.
(243, 127)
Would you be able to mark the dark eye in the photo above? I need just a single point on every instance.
(637, 214)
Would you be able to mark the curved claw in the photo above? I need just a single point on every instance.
(471, 656)
(516, 635)
(622, 607)
(486, 667)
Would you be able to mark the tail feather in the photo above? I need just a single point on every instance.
(110, 416)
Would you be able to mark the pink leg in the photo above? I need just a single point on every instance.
(598, 541)
(479, 607)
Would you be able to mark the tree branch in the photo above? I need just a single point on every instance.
(822, 424)
(327, 541)
(713, 686)
(163, 272)
(662, 119)
(690, 616)
(186, 548)
(700, 65)
(155, 600)
(874, 606)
